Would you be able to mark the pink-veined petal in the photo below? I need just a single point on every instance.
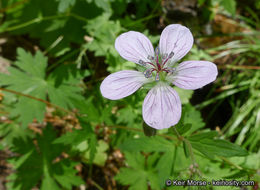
(177, 39)
(194, 74)
(162, 107)
(121, 84)
(134, 46)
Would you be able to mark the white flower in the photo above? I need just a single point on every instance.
(162, 105)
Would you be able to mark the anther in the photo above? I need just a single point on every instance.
(171, 55)
(141, 62)
(157, 51)
(170, 70)
(150, 57)
(157, 78)
(148, 73)
(164, 56)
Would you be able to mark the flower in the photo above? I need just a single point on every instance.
(162, 105)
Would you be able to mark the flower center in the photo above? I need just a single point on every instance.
(158, 64)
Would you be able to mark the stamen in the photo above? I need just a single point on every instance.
(141, 62)
(157, 51)
(169, 70)
(164, 56)
(148, 72)
(150, 57)
(171, 55)
(157, 77)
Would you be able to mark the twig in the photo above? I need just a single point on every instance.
(38, 99)
(95, 184)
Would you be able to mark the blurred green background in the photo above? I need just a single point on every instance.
(58, 132)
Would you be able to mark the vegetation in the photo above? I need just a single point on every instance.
(58, 132)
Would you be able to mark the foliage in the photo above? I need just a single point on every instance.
(60, 133)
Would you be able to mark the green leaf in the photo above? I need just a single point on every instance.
(229, 6)
(12, 131)
(89, 109)
(104, 32)
(212, 147)
(75, 137)
(183, 129)
(39, 159)
(126, 115)
(185, 95)
(137, 176)
(64, 4)
(186, 149)
(28, 77)
(204, 135)
(201, 2)
(190, 121)
(67, 175)
(154, 143)
(100, 156)
(78, 136)
(165, 166)
(49, 183)
(128, 176)
(104, 4)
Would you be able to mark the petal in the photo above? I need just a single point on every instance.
(121, 84)
(134, 46)
(194, 74)
(177, 39)
(162, 107)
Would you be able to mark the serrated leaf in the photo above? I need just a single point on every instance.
(190, 116)
(212, 147)
(165, 166)
(66, 175)
(40, 162)
(154, 143)
(185, 95)
(186, 149)
(137, 176)
(126, 116)
(49, 183)
(64, 4)
(182, 129)
(100, 156)
(104, 32)
(204, 135)
(75, 137)
(104, 4)
(28, 77)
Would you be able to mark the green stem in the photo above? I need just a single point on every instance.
(40, 19)
(174, 159)
(191, 151)
(181, 138)
(37, 99)
(96, 185)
